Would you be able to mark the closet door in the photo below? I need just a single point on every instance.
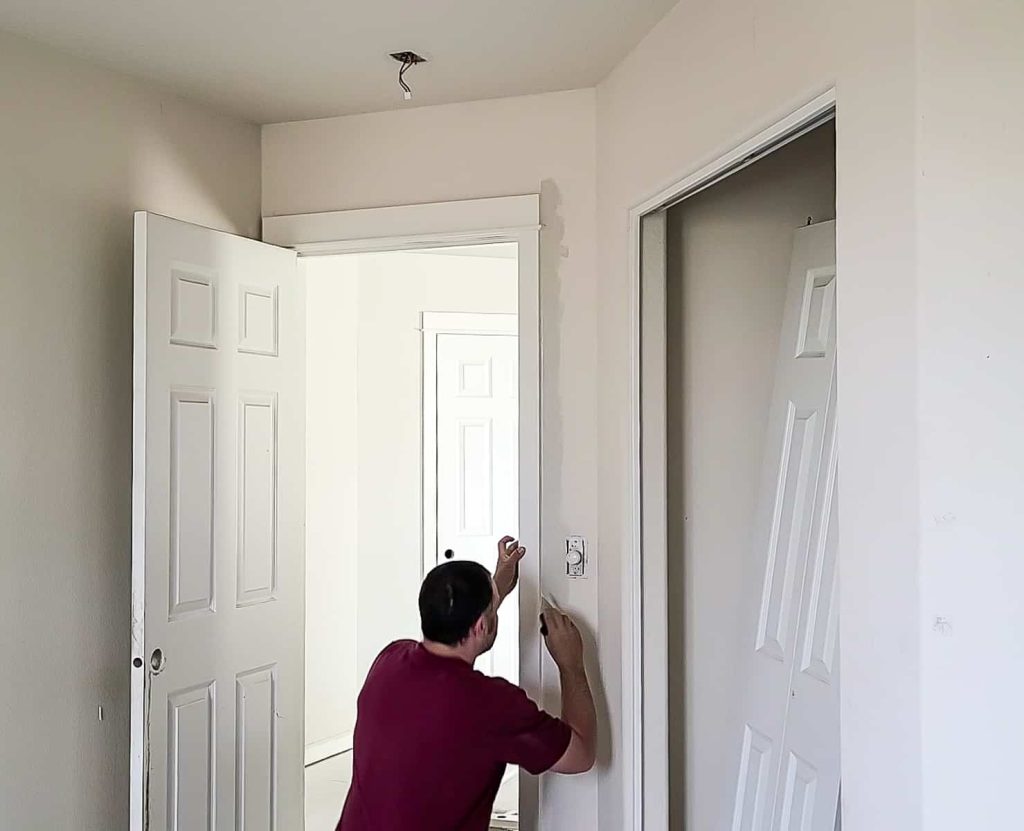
(788, 744)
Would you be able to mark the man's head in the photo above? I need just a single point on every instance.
(459, 606)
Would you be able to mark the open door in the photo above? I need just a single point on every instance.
(217, 537)
(788, 762)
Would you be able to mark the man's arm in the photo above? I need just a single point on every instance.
(566, 647)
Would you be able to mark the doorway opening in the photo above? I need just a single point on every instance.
(412, 459)
(737, 724)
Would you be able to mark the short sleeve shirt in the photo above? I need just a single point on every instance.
(432, 739)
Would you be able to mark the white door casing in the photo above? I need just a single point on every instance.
(218, 545)
(788, 748)
(470, 445)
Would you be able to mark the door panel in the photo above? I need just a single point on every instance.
(191, 756)
(218, 506)
(788, 772)
(477, 464)
(256, 749)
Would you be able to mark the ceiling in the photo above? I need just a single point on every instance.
(284, 60)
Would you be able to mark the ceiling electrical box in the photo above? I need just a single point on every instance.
(575, 557)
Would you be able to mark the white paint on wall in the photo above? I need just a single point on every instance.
(538, 144)
(729, 252)
(80, 150)
(364, 427)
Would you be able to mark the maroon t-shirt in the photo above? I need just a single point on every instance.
(432, 739)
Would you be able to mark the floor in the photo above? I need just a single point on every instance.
(506, 806)
(326, 787)
(327, 784)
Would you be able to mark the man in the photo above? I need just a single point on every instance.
(433, 735)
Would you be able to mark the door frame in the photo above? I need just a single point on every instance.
(645, 597)
(432, 325)
(506, 219)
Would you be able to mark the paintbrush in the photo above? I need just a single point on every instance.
(547, 603)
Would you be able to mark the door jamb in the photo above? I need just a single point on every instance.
(645, 600)
(509, 219)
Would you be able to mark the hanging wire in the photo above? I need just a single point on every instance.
(406, 64)
(407, 60)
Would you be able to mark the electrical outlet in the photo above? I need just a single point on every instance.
(575, 557)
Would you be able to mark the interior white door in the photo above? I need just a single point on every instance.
(477, 465)
(218, 506)
(788, 772)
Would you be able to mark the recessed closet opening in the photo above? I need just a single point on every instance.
(750, 408)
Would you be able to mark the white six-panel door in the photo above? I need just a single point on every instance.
(788, 745)
(218, 507)
(477, 452)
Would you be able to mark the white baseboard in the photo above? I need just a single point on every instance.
(326, 748)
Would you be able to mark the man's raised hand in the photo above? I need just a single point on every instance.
(506, 573)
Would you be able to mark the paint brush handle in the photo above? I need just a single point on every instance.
(546, 600)
(546, 603)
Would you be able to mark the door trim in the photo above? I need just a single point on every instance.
(138, 798)
(434, 324)
(509, 219)
(406, 227)
(645, 600)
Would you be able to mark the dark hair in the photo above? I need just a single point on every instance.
(452, 598)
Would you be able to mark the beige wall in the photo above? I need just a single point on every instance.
(80, 150)
(536, 144)
(729, 252)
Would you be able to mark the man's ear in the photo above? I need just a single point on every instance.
(480, 627)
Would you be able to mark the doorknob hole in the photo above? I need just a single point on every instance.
(156, 660)
(448, 553)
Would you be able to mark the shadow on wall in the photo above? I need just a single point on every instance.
(553, 253)
(176, 174)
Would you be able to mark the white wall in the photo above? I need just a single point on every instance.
(394, 290)
(538, 144)
(364, 427)
(970, 77)
(332, 495)
(729, 251)
(80, 150)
